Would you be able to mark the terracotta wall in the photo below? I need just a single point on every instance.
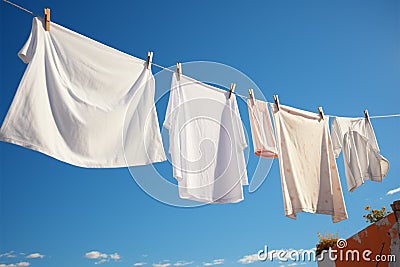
(381, 238)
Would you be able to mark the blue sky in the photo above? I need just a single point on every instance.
(342, 55)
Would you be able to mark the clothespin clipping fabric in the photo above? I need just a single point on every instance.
(47, 19)
(321, 112)
(179, 70)
(149, 59)
(231, 90)
(276, 100)
(366, 115)
(251, 95)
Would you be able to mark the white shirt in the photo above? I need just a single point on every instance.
(310, 179)
(261, 129)
(206, 142)
(361, 155)
(83, 103)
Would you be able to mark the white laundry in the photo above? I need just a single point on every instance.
(309, 175)
(361, 155)
(206, 142)
(74, 96)
(261, 129)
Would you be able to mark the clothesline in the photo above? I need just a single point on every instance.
(215, 177)
(20, 7)
(172, 71)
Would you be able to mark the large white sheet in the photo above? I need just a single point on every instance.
(73, 98)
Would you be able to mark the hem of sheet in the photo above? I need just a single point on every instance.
(266, 153)
(367, 178)
(335, 217)
(206, 200)
(243, 180)
(189, 196)
(83, 165)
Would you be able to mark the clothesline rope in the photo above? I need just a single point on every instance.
(20, 7)
(385, 116)
(172, 71)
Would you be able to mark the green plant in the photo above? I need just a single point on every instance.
(326, 241)
(375, 215)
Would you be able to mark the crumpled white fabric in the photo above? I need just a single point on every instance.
(74, 96)
(361, 155)
(207, 142)
(309, 175)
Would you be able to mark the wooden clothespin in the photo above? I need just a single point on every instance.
(179, 70)
(251, 95)
(231, 90)
(366, 114)
(321, 112)
(149, 59)
(276, 100)
(47, 19)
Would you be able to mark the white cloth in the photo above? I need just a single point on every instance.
(310, 179)
(261, 129)
(73, 98)
(361, 155)
(206, 142)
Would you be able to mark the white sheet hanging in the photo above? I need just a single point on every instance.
(361, 155)
(206, 142)
(73, 98)
(310, 179)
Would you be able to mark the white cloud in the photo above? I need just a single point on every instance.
(8, 255)
(92, 255)
(214, 262)
(101, 257)
(139, 263)
(183, 263)
(249, 259)
(101, 261)
(115, 256)
(159, 264)
(35, 256)
(394, 191)
(292, 264)
(19, 264)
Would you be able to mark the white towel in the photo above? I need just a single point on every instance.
(310, 179)
(261, 129)
(361, 155)
(206, 142)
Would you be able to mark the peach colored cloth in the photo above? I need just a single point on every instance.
(261, 129)
(309, 175)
